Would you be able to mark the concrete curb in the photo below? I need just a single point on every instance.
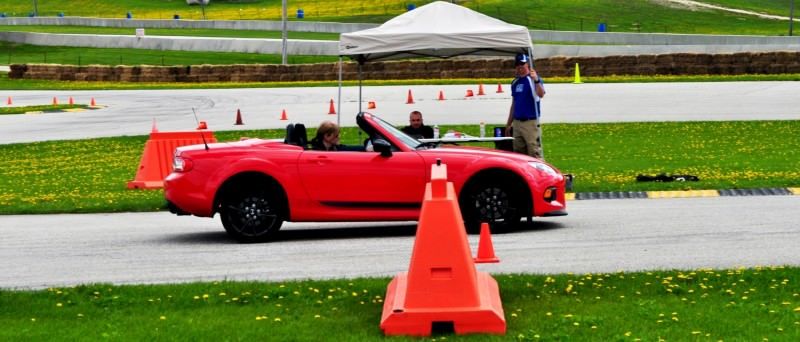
(682, 194)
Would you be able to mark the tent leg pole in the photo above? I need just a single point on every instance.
(539, 129)
(359, 87)
(339, 98)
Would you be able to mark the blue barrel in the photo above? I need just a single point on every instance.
(411, 7)
(2, 15)
(60, 14)
(601, 27)
(31, 15)
(300, 13)
(176, 16)
(129, 15)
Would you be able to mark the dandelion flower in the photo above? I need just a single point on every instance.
(163, 318)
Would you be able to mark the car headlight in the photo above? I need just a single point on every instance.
(543, 167)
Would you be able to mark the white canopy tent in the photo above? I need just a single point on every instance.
(438, 29)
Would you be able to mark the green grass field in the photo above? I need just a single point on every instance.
(758, 304)
(13, 53)
(90, 175)
(43, 108)
(35, 84)
(170, 32)
(621, 16)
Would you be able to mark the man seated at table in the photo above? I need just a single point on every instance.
(417, 129)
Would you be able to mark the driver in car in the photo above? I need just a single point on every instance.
(327, 139)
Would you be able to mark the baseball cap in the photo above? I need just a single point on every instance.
(521, 58)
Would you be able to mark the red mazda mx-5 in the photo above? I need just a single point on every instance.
(257, 184)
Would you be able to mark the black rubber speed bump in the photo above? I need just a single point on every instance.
(610, 195)
(756, 192)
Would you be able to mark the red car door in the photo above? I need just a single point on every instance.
(363, 179)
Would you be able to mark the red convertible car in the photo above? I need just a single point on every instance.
(255, 185)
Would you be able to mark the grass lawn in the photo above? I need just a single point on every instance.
(24, 53)
(716, 305)
(43, 108)
(34, 84)
(170, 32)
(621, 16)
(90, 175)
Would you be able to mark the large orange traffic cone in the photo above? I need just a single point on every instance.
(55, 101)
(9, 102)
(499, 88)
(410, 99)
(283, 115)
(92, 103)
(371, 105)
(332, 110)
(71, 101)
(156, 162)
(239, 117)
(441, 95)
(469, 93)
(203, 125)
(442, 284)
(480, 89)
(485, 246)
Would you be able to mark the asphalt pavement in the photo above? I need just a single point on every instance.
(131, 112)
(598, 236)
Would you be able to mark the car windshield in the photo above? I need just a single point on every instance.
(404, 138)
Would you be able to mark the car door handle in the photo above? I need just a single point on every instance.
(322, 160)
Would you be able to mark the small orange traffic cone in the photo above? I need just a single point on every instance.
(71, 101)
(480, 89)
(203, 125)
(410, 98)
(332, 110)
(9, 101)
(55, 101)
(283, 115)
(92, 103)
(485, 246)
(441, 95)
(469, 93)
(499, 88)
(154, 129)
(238, 117)
(371, 105)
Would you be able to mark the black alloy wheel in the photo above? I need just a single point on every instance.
(251, 216)
(494, 203)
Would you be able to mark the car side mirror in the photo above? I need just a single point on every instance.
(382, 146)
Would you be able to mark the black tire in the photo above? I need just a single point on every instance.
(251, 215)
(498, 203)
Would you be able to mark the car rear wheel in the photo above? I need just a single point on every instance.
(251, 215)
(497, 203)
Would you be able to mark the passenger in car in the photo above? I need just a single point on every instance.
(416, 128)
(327, 139)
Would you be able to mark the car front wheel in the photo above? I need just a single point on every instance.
(496, 203)
(251, 215)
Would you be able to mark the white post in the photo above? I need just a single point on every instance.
(339, 99)
(283, 35)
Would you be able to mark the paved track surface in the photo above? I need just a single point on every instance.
(598, 236)
(131, 112)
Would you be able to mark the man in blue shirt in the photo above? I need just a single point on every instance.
(527, 91)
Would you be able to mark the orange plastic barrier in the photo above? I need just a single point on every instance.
(159, 150)
(442, 287)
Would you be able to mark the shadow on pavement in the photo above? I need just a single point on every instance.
(362, 232)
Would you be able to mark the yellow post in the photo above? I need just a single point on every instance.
(577, 74)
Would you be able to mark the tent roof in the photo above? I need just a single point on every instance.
(438, 29)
